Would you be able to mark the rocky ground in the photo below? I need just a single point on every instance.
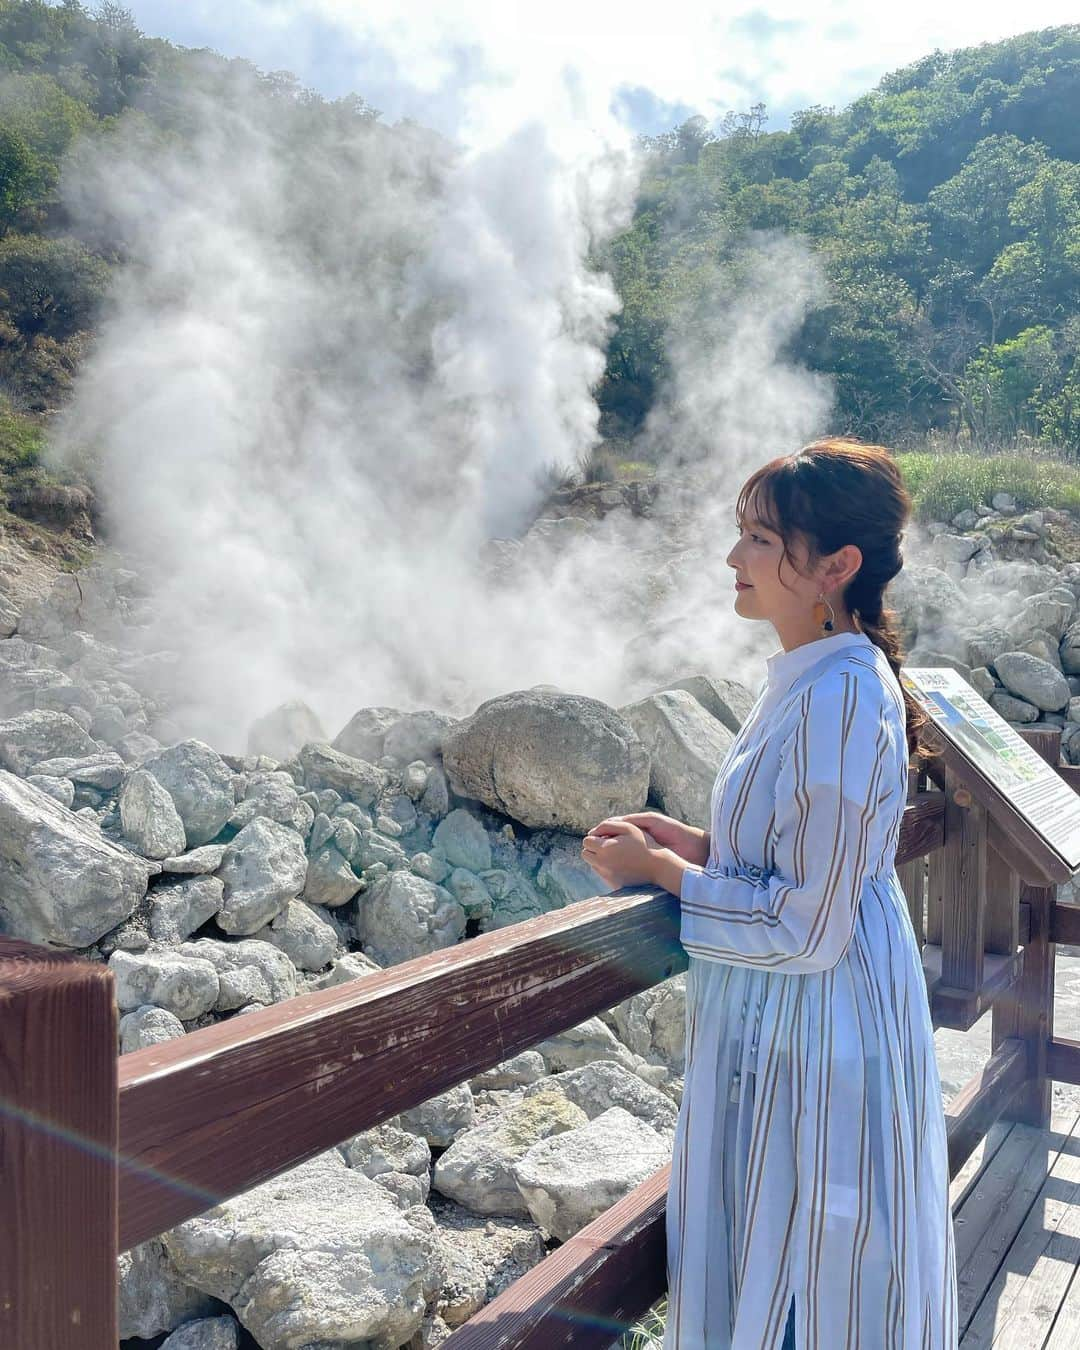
(214, 884)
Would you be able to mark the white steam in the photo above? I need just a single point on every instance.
(339, 359)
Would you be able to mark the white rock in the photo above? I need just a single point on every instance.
(319, 1254)
(211, 1333)
(178, 908)
(263, 869)
(570, 1179)
(153, 1297)
(148, 1026)
(303, 935)
(61, 881)
(686, 745)
(148, 817)
(404, 915)
(477, 1169)
(177, 982)
(200, 784)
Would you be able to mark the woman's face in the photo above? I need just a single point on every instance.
(776, 591)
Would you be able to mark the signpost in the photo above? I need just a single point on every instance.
(1007, 776)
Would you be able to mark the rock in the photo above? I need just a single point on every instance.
(728, 701)
(319, 1254)
(198, 862)
(514, 897)
(517, 1071)
(105, 770)
(477, 1169)
(430, 866)
(303, 935)
(483, 1257)
(588, 1041)
(330, 880)
(471, 894)
(564, 877)
(263, 868)
(686, 746)
(211, 1333)
(463, 841)
(1035, 681)
(1013, 709)
(176, 981)
(153, 1297)
(387, 1148)
(148, 1026)
(351, 966)
(39, 735)
(441, 1118)
(325, 767)
(178, 908)
(61, 790)
(247, 972)
(435, 798)
(417, 735)
(274, 796)
(570, 1179)
(363, 735)
(148, 817)
(404, 916)
(61, 881)
(282, 732)
(200, 784)
(598, 1086)
(652, 1023)
(548, 759)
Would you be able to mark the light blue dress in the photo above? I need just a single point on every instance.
(810, 1155)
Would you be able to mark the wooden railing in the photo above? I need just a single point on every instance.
(98, 1154)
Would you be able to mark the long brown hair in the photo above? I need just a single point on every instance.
(839, 491)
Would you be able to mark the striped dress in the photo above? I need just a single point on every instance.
(810, 1157)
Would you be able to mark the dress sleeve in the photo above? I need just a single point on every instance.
(835, 768)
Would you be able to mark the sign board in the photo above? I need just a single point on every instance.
(1022, 778)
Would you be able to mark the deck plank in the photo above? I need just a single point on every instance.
(1018, 1240)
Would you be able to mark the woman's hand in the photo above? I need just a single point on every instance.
(619, 852)
(688, 843)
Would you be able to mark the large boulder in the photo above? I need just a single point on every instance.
(280, 733)
(727, 700)
(477, 1169)
(319, 1255)
(248, 972)
(148, 817)
(570, 1179)
(200, 784)
(180, 983)
(30, 737)
(263, 868)
(153, 1297)
(686, 747)
(548, 759)
(363, 735)
(404, 915)
(325, 767)
(61, 881)
(1035, 681)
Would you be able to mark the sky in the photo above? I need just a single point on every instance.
(655, 63)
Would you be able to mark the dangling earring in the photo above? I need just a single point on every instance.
(819, 614)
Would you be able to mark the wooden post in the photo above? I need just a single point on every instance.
(963, 879)
(1027, 1010)
(58, 1130)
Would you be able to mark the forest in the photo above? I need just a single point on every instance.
(943, 205)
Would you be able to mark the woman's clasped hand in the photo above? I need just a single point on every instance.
(621, 850)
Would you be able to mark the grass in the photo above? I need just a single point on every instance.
(941, 484)
(647, 1334)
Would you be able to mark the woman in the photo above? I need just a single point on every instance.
(809, 1197)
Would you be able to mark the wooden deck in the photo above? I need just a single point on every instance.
(1016, 1215)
